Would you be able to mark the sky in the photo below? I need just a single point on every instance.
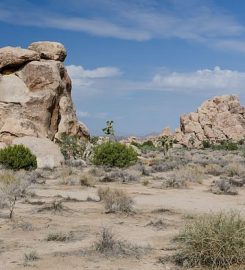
(141, 63)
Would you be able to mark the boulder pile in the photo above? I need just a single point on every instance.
(217, 119)
(35, 95)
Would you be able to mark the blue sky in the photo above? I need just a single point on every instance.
(142, 63)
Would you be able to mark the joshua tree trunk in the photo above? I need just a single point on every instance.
(11, 207)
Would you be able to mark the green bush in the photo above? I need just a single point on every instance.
(17, 157)
(206, 144)
(114, 154)
(213, 240)
(72, 147)
(225, 145)
(146, 146)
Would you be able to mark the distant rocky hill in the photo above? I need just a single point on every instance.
(219, 118)
(35, 93)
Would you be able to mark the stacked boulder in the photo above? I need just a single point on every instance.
(35, 98)
(217, 119)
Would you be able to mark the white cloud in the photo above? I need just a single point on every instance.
(216, 80)
(86, 77)
(135, 20)
(234, 45)
(213, 81)
(83, 114)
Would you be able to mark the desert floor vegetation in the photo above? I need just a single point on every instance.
(156, 214)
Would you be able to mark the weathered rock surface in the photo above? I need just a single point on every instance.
(11, 57)
(49, 50)
(35, 94)
(48, 153)
(217, 119)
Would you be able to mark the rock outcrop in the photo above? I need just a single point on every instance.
(48, 153)
(35, 93)
(217, 119)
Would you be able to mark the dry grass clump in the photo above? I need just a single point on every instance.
(213, 240)
(194, 173)
(116, 200)
(117, 174)
(173, 182)
(108, 245)
(87, 179)
(223, 186)
(214, 169)
(54, 207)
(67, 177)
(180, 178)
(235, 169)
(31, 256)
(59, 237)
(158, 223)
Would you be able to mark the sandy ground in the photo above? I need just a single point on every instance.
(84, 219)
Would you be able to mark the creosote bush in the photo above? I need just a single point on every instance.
(17, 157)
(114, 154)
(213, 240)
(116, 200)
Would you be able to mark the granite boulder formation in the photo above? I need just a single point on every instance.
(217, 119)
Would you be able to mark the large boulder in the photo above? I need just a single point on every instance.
(35, 94)
(11, 57)
(217, 119)
(49, 50)
(48, 153)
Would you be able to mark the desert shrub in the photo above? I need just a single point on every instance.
(223, 186)
(59, 237)
(187, 174)
(225, 145)
(212, 240)
(173, 183)
(17, 157)
(235, 169)
(147, 146)
(72, 147)
(214, 169)
(158, 223)
(117, 174)
(206, 144)
(164, 167)
(31, 256)
(107, 244)
(11, 189)
(54, 207)
(87, 179)
(145, 182)
(116, 200)
(114, 154)
(94, 139)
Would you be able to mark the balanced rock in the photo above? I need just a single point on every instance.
(49, 50)
(217, 119)
(11, 57)
(35, 94)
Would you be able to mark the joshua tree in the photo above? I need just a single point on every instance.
(165, 142)
(108, 130)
